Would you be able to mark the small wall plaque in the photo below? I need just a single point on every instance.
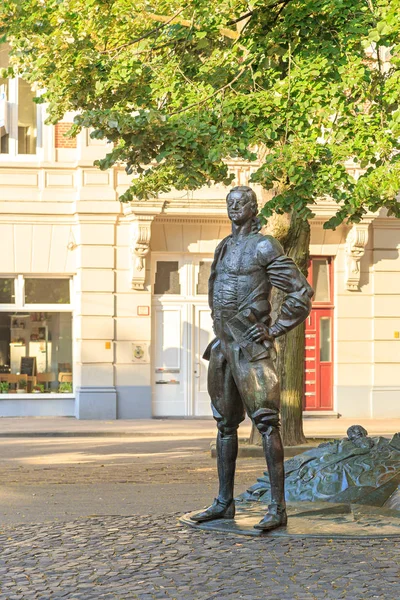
(140, 352)
(143, 311)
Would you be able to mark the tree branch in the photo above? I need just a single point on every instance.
(168, 21)
(289, 92)
(284, 4)
(229, 33)
(251, 12)
(371, 6)
(234, 21)
(221, 89)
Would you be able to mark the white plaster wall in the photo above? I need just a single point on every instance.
(186, 236)
(353, 373)
(94, 317)
(386, 265)
(132, 379)
(35, 248)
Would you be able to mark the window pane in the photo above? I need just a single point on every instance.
(7, 295)
(321, 280)
(3, 115)
(47, 291)
(204, 275)
(325, 339)
(38, 345)
(27, 127)
(167, 278)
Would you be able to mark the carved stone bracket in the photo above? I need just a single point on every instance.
(140, 247)
(356, 241)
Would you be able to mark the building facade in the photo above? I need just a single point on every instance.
(103, 306)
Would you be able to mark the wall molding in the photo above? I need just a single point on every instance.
(356, 242)
(140, 247)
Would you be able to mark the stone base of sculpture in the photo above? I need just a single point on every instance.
(346, 488)
(310, 519)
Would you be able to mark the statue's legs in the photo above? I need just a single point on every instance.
(227, 450)
(228, 411)
(259, 388)
(267, 422)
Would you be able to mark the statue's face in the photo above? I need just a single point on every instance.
(239, 208)
(356, 433)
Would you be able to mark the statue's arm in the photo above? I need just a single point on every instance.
(284, 274)
(213, 273)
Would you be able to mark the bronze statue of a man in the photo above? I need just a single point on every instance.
(242, 375)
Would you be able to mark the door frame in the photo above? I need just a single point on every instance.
(187, 300)
(196, 307)
(319, 307)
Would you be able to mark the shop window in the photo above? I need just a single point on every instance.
(167, 278)
(36, 352)
(320, 279)
(47, 291)
(204, 275)
(7, 295)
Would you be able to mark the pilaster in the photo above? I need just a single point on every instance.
(140, 216)
(94, 324)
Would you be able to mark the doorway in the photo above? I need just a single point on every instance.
(182, 329)
(318, 393)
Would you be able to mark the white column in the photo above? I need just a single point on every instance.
(96, 396)
(133, 318)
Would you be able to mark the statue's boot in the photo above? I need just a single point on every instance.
(275, 517)
(223, 507)
(217, 510)
(273, 449)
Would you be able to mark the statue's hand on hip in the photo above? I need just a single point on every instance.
(259, 333)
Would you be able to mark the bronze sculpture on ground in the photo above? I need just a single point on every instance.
(357, 469)
(242, 375)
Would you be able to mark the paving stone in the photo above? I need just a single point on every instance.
(121, 558)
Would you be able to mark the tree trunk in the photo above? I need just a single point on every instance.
(290, 347)
(294, 235)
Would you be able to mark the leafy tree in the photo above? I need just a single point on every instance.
(303, 86)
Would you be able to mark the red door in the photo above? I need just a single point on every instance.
(318, 393)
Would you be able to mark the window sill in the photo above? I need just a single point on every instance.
(8, 160)
(31, 396)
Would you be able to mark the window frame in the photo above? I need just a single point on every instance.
(330, 302)
(19, 292)
(178, 271)
(4, 304)
(188, 275)
(196, 264)
(20, 306)
(12, 107)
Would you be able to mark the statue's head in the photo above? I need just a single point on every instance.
(356, 431)
(359, 436)
(242, 206)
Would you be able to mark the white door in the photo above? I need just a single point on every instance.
(168, 381)
(182, 330)
(203, 334)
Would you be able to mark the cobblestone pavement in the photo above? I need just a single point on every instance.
(93, 460)
(147, 558)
